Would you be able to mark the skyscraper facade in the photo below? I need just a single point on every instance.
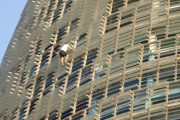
(125, 63)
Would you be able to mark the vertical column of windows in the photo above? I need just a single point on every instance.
(50, 12)
(59, 11)
(33, 102)
(62, 31)
(67, 7)
(38, 47)
(48, 85)
(46, 56)
(40, 17)
(16, 77)
(39, 86)
(25, 107)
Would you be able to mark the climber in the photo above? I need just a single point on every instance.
(63, 53)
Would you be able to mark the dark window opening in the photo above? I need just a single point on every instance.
(66, 113)
(55, 51)
(78, 63)
(62, 76)
(82, 104)
(22, 113)
(125, 24)
(114, 88)
(60, 2)
(32, 72)
(174, 2)
(43, 118)
(91, 56)
(23, 78)
(86, 75)
(81, 40)
(74, 24)
(25, 102)
(132, 85)
(49, 80)
(53, 115)
(117, 4)
(38, 47)
(47, 92)
(44, 60)
(62, 31)
(48, 47)
(56, 15)
(68, 5)
(32, 106)
(132, 1)
(123, 109)
(38, 87)
(72, 82)
(78, 116)
(51, 6)
(111, 23)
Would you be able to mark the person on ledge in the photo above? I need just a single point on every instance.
(63, 53)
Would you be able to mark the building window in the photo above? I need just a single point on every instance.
(68, 5)
(112, 23)
(52, 2)
(56, 15)
(62, 31)
(40, 18)
(53, 115)
(60, 2)
(72, 82)
(86, 75)
(91, 56)
(66, 113)
(132, 1)
(23, 78)
(55, 52)
(117, 4)
(78, 63)
(49, 80)
(33, 71)
(74, 24)
(32, 106)
(44, 60)
(38, 47)
(22, 113)
(126, 19)
(38, 87)
(81, 40)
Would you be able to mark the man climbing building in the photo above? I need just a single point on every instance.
(63, 53)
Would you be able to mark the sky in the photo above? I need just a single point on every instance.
(10, 12)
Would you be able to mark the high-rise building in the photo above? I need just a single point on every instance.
(125, 64)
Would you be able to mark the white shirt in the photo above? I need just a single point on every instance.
(65, 47)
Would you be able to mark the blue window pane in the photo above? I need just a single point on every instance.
(71, 83)
(62, 31)
(62, 76)
(32, 72)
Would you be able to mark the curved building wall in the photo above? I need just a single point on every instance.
(125, 64)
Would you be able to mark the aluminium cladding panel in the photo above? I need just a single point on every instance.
(120, 73)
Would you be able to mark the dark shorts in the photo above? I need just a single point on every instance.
(62, 53)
